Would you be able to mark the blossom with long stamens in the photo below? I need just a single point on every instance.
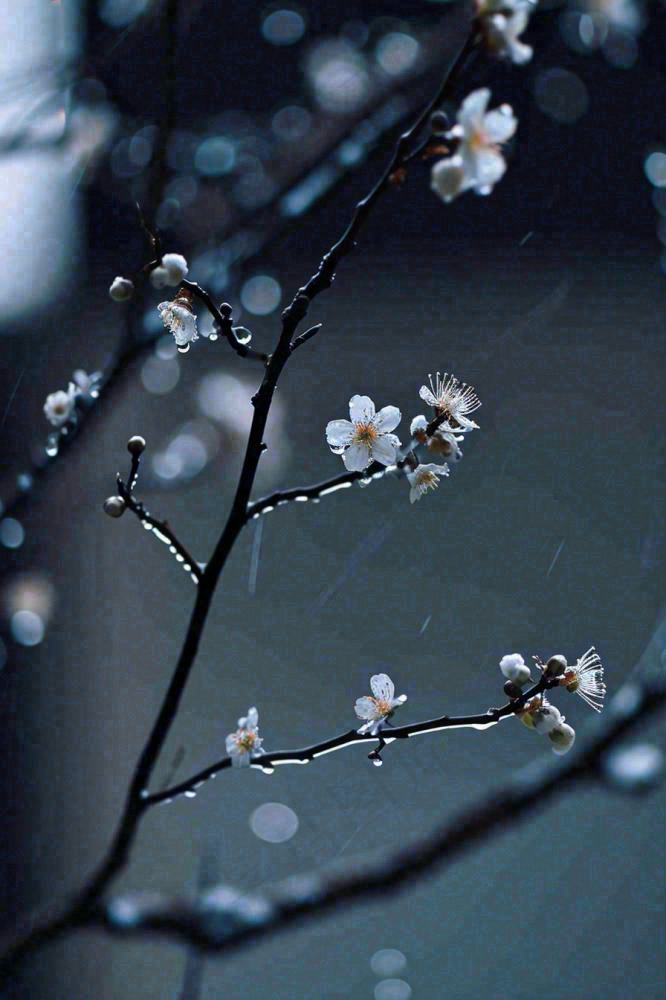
(477, 163)
(452, 400)
(366, 437)
(246, 742)
(379, 707)
(586, 679)
(423, 478)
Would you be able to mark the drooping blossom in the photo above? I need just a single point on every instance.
(586, 679)
(477, 163)
(366, 437)
(423, 478)
(452, 400)
(501, 22)
(179, 319)
(245, 743)
(379, 707)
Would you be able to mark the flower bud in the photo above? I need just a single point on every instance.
(439, 123)
(121, 289)
(136, 444)
(512, 690)
(556, 665)
(515, 669)
(547, 718)
(562, 738)
(114, 506)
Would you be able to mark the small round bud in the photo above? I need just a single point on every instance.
(159, 277)
(114, 506)
(562, 738)
(439, 123)
(226, 310)
(121, 289)
(515, 669)
(512, 690)
(136, 444)
(556, 665)
(547, 718)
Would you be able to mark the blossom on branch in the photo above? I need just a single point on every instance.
(441, 442)
(179, 319)
(379, 707)
(121, 289)
(477, 162)
(170, 271)
(423, 478)
(366, 437)
(245, 743)
(501, 21)
(59, 405)
(452, 400)
(586, 679)
(515, 669)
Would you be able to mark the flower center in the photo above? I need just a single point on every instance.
(383, 707)
(428, 480)
(245, 740)
(365, 433)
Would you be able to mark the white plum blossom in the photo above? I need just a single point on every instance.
(423, 478)
(59, 405)
(245, 743)
(562, 738)
(586, 679)
(171, 271)
(179, 319)
(86, 384)
(379, 707)
(453, 400)
(441, 442)
(515, 669)
(477, 163)
(546, 718)
(121, 289)
(366, 437)
(501, 22)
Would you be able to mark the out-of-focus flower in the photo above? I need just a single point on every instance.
(121, 289)
(452, 400)
(86, 384)
(59, 405)
(501, 21)
(366, 437)
(424, 478)
(179, 319)
(245, 743)
(562, 738)
(477, 162)
(380, 707)
(515, 669)
(171, 271)
(623, 15)
(586, 678)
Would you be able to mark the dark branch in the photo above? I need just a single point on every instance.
(222, 317)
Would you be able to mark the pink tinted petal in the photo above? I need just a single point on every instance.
(388, 418)
(361, 409)
(356, 457)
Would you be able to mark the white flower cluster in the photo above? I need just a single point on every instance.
(246, 742)
(477, 163)
(501, 21)
(60, 406)
(584, 678)
(367, 437)
(171, 271)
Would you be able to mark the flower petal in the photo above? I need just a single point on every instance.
(387, 419)
(385, 449)
(473, 107)
(357, 457)
(365, 708)
(448, 178)
(500, 124)
(489, 167)
(339, 433)
(252, 718)
(361, 409)
(382, 687)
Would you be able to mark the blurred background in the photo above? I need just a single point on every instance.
(549, 297)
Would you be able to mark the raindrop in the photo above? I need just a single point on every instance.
(189, 794)
(184, 349)
(27, 627)
(179, 558)
(387, 962)
(377, 761)
(634, 768)
(212, 336)
(267, 770)
(173, 550)
(52, 449)
(12, 533)
(274, 822)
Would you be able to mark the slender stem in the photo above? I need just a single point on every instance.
(222, 317)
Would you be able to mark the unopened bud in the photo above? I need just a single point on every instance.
(439, 123)
(562, 738)
(114, 506)
(512, 690)
(121, 289)
(515, 669)
(556, 665)
(136, 444)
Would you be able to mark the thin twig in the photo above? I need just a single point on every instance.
(222, 317)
